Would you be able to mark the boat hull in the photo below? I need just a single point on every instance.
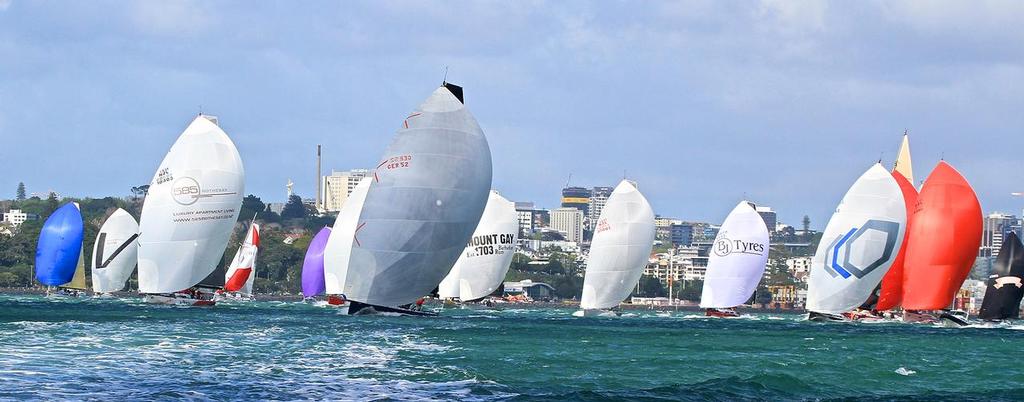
(825, 317)
(178, 299)
(721, 312)
(596, 313)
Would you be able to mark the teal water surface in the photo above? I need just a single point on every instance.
(121, 349)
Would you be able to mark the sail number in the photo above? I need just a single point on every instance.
(398, 162)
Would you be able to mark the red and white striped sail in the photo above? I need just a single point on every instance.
(242, 271)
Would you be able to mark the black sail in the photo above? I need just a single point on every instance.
(215, 280)
(1006, 283)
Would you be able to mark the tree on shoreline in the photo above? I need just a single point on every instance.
(20, 195)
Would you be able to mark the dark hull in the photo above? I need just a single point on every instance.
(358, 308)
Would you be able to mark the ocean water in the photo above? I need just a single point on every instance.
(121, 349)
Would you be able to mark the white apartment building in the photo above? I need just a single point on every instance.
(337, 186)
(15, 217)
(800, 267)
(568, 221)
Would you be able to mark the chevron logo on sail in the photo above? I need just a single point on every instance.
(862, 250)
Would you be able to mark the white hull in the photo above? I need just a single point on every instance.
(596, 313)
(177, 300)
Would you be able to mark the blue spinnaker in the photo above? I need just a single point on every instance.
(60, 243)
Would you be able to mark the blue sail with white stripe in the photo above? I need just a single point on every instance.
(60, 244)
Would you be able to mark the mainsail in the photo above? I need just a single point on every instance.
(943, 241)
(115, 253)
(191, 208)
(483, 264)
(1006, 283)
(859, 243)
(891, 289)
(343, 236)
(623, 239)
(428, 193)
(737, 259)
(313, 264)
(60, 246)
(242, 272)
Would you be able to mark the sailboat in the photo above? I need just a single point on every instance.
(736, 262)
(241, 273)
(338, 250)
(59, 259)
(621, 247)
(115, 253)
(890, 292)
(1006, 283)
(486, 259)
(942, 247)
(858, 246)
(187, 218)
(313, 266)
(426, 198)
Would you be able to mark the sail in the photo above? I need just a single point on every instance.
(1006, 283)
(902, 165)
(621, 247)
(191, 208)
(59, 246)
(78, 280)
(859, 243)
(891, 290)
(429, 191)
(737, 259)
(344, 235)
(115, 252)
(943, 241)
(313, 264)
(484, 262)
(242, 271)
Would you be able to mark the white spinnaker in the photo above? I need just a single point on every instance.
(191, 208)
(859, 244)
(339, 244)
(429, 192)
(117, 238)
(620, 249)
(245, 258)
(483, 264)
(737, 259)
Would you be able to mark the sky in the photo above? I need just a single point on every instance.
(703, 103)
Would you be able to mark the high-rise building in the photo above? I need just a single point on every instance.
(568, 221)
(598, 197)
(525, 212)
(995, 227)
(338, 185)
(769, 216)
(681, 234)
(576, 197)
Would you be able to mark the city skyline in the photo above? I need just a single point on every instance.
(703, 104)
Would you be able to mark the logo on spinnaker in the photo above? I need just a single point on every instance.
(725, 246)
(186, 191)
(864, 239)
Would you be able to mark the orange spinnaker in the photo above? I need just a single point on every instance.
(944, 240)
(892, 283)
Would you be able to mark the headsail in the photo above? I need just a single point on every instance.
(943, 241)
(902, 163)
(891, 289)
(115, 253)
(483, 264)
(191, 208)
(241, 273)
(620, 249)
(60, 246)
(1006, 283)
(429, 191)
(859, 243)
(343, 236)
(313, 264)
(737, 259)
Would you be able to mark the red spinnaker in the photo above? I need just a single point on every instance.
(892, 283)
(944, 240)
(238, 279)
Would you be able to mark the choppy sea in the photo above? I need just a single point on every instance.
(122, 349)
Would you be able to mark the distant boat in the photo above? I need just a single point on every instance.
(483, 264)
(313, 265)
(115, 252)
(241, 273)
(188, 215)
(428, 193)
(1006, 283)
(59, 259)
(858, 246)
(736, 262)
(942, 246)
(619, 251)
(338, 250)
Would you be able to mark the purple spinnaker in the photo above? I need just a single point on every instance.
(313, 265)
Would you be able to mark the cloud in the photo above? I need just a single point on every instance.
(5, 4)
(181, 18)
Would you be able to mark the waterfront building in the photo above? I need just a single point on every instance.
(16, 217)
(788, 296)
(995, 227)
(681, 234)
(598, 197)
(531, 289)
(576, 197)
(337, 186)
(568, 221)
(799, 267)
(524, 210)
(662, 227)
(769, 216)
